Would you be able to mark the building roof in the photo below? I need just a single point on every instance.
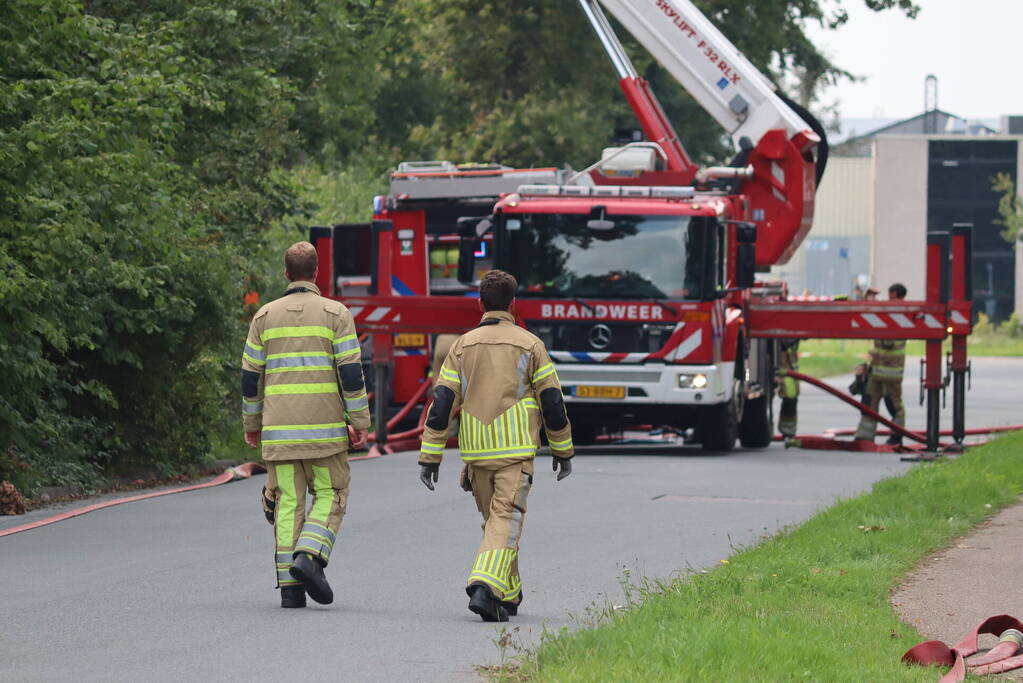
(934, 122)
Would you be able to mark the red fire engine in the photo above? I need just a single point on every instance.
(638, 272)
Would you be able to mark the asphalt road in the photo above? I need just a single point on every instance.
(181, 587)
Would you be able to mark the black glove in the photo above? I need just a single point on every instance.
(565, 464)
(269, 505)
(428, 471)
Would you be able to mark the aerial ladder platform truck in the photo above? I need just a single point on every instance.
(639, 272)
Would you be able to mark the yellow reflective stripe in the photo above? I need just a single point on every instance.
(283, 442)
(310, 388)
(296, 331)
(499, 450)
(543, 372)
(347, 353)
(432, 447)
(560, 445)
(252, 360)
(502, 453)
(254, 345)
(450, 375)
(529, 402)
(344, 338)
(298, 354)
(325, 425)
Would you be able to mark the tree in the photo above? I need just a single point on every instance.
(1010, 208)
(527, 81)
(138, 174)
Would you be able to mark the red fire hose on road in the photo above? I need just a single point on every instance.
(829, 441)
(401, 441)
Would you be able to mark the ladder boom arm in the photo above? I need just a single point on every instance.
(708, 66)
(637, 91)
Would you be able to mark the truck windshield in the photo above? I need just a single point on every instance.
(625, 256)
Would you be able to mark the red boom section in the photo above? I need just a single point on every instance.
(847, 319)
(781, 193)
(658, 129)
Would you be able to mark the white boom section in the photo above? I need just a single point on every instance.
(707, 65)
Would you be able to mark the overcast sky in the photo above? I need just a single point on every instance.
(974, 47)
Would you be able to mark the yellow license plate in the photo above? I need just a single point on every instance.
(410, 339)
(589, 391)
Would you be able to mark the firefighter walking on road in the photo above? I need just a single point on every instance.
(301, 373)
(887, 364)
(502, 378)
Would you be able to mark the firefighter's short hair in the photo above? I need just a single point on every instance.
(300, 261)
(897, 291)
(497, 289)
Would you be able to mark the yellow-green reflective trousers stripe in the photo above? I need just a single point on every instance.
(286, 506)
(324, 494)
(493, 567)
(310, 388)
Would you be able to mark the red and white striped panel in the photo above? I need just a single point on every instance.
(375, 314)
(811, 297)
(595, 357)
(894, 321)
(689, 345)
(959, 319)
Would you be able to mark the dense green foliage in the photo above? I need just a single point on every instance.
(810, 604)
(156, 156)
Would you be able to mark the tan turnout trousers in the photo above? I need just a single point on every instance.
(295, 530)
(891, 392)
(500, 495)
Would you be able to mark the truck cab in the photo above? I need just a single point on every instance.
(630, 288)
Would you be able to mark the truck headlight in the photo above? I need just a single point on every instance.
(697, 381)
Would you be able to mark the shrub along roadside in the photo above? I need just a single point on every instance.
(809, 604)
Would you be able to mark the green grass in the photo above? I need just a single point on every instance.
(810, 604)
(829, 357)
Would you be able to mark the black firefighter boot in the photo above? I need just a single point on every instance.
(309, 570)
(292, 596)
(512, 608)
(483, 603)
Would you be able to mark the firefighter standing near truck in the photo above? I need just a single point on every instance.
(301, 372)
(887, 364)
(504, 381)
(788, 387)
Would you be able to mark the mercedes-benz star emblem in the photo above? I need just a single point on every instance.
(600, 336)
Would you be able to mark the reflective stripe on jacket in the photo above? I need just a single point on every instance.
(888, 360)
(299, 346)
(497, 373)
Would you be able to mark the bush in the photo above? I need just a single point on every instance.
(983, 327)
(1012, 327)
(135, 177)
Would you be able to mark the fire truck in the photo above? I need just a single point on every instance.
(639, 272)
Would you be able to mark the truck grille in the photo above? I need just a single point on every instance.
(602, 337)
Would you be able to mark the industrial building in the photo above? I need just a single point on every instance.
(884, 190)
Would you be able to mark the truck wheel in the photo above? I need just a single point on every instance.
(719, 426)
(756, 428)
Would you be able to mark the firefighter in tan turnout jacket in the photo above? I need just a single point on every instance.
(300, 348)
(502, 378)
(887, 364)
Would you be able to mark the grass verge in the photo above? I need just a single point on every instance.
(810, 604)
(829, 357)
